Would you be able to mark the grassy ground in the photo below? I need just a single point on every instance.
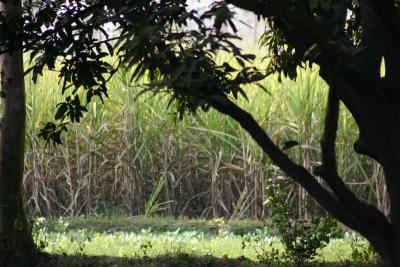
(140, 241)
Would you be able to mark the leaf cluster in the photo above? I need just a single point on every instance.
(165, 42)
(180, 60)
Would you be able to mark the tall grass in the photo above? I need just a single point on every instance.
(208, 166)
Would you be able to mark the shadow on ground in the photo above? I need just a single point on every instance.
(50, 260)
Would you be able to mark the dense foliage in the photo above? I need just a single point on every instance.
(153, 38)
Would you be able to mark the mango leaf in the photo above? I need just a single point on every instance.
(62, 109)
(289, 144)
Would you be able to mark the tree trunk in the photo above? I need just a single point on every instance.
(391, 257)
(16, 243)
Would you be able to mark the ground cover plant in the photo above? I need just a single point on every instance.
(84, 239)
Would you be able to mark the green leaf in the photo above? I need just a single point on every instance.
(289, 144)
(62, 109)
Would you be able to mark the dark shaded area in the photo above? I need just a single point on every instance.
(48, 260)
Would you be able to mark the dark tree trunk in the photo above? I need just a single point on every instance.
(391, 256)
(16, 244)
(372, 100)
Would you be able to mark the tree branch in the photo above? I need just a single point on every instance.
(299, 173)
(360, 85)
(372, 43)
(257, 7)
(328, 169)
(359, 88)
(302, 29)
(388, 12)
(329, 139)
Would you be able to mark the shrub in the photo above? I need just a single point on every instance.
(301, 238)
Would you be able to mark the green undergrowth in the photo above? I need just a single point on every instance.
(140, 241)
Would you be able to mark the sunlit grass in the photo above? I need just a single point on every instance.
(254, 244)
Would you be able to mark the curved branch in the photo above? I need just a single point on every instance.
(328, 169)
(300, 174)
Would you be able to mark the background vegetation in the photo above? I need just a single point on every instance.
(132, 156)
